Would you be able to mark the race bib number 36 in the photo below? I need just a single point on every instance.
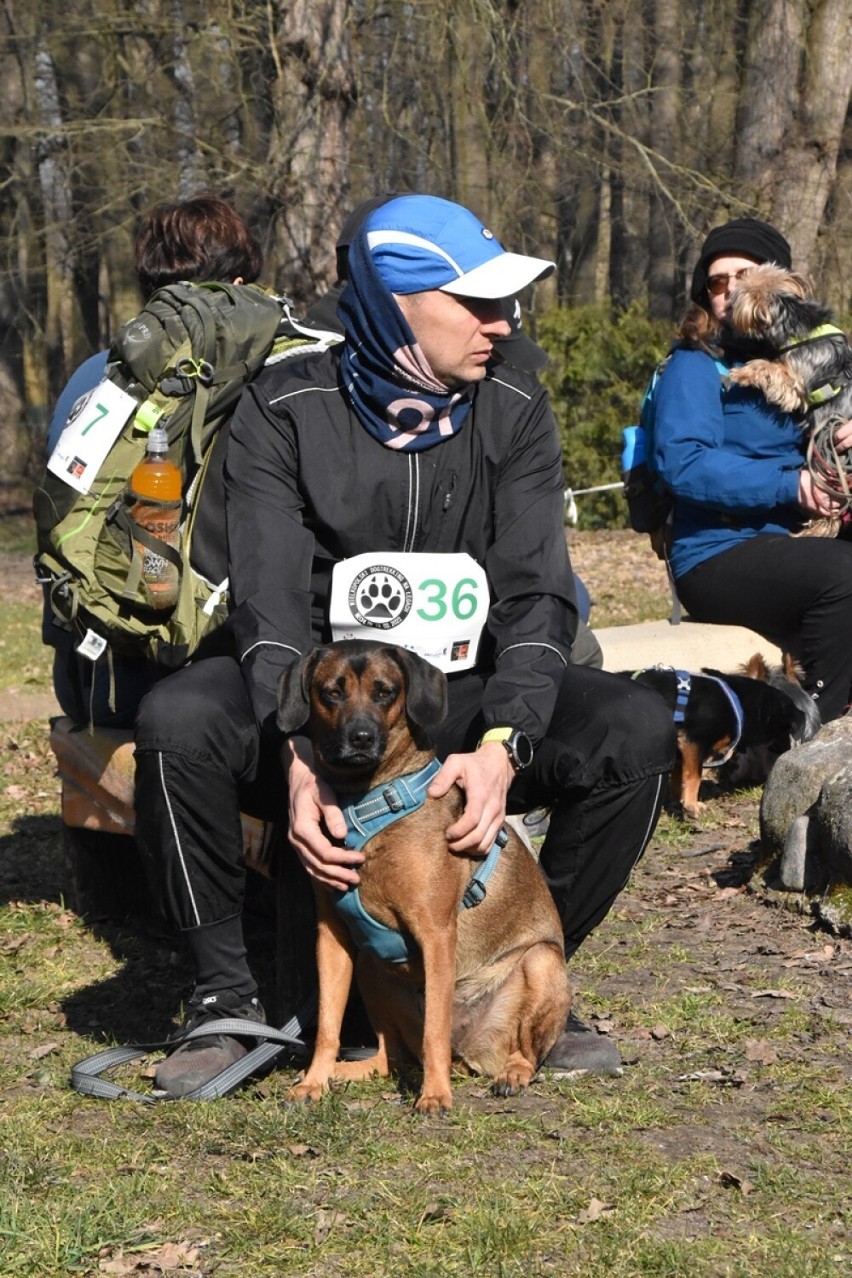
(434, 605)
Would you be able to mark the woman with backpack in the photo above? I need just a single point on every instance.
(735, 465)
(192, 240)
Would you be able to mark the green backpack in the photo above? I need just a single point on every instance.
(183, 362)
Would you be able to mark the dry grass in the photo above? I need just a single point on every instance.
(626, 580)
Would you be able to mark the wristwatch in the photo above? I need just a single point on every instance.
(516, 743)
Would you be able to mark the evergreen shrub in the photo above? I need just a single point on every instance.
(600, 362)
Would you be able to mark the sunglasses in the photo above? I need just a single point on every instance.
(717, 284)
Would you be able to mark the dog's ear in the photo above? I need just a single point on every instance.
(756, 667)
(425, 689)
(793, 672)
(294, 697)
(799, 285)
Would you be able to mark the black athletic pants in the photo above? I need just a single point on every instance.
(797, 592)
(199, 759)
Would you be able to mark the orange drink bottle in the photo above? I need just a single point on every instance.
(155, 506)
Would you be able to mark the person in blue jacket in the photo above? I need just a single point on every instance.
(736, 466)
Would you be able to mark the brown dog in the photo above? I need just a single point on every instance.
(485, 985)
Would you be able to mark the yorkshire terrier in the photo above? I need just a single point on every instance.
(811, 375)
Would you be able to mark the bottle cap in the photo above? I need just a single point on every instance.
(158, 440)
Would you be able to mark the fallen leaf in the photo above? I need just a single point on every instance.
(731, 1181)
(177, 1256)
(728, 1079)
(12, 945)
(659, 1032)
(434, 1212)
(760, 1051)
(303, 1151)
(596, 1210)
(38, 1052)
(773, 994)
(326, 1221)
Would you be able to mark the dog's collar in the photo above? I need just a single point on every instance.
(683, 687)
(366, 817)
(815, 335)
(823, 394)
(820, 394)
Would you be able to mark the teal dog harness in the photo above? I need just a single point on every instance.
(368, 816)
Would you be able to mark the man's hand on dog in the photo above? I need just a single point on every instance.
(485, 777)
(315, 819)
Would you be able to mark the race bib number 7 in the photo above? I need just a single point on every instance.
(434, 605)
(94, 424)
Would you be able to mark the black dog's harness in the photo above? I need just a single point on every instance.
(368, 816)
(683, 689)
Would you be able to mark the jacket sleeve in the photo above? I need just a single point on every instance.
(269, 550)
(533, 616)
(702, 463)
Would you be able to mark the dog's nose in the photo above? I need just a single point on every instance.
(361, 737)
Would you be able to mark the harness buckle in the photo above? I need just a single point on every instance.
(474, 894)
(393, 798)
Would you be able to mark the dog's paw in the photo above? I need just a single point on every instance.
(438, 1104)
(304, 1093)
(515, 1077)
(507, 1087)
(693, 810)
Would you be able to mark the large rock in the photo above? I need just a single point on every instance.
(806, 810)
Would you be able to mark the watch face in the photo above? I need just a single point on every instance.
(521, 750)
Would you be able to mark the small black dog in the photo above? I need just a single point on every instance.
(744, 721)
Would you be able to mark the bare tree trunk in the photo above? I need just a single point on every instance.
(313, 97)
(794, 103)
(666, 109)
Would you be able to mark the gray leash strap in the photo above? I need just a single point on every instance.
(86, 1074)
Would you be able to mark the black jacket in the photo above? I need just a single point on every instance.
(306, 486)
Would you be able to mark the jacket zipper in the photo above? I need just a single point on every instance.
(413, 513)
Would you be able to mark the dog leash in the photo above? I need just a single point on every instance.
(86, 1075)
(829, 468)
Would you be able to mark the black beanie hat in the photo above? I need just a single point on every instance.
(746, 236)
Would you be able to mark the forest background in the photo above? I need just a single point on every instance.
(609, 135)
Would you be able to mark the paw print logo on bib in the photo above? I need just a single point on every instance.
(380, 596)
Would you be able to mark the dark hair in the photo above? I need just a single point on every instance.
(201, 238)
(700, 329)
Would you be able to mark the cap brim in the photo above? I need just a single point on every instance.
(521, 352)
(501, 276)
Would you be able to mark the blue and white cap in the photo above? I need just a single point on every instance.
(421, 242)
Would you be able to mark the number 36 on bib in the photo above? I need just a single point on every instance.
(434, 605)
